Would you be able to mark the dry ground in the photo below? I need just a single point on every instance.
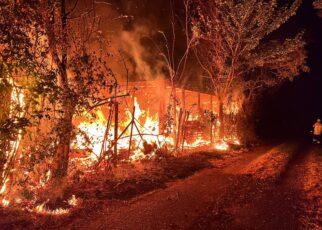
(215, 193)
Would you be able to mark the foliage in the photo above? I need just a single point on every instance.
(237, 50)
(235, 46)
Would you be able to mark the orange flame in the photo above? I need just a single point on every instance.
(147, 129)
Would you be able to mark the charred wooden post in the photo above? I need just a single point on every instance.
(131, 131)
(178, 139)
(186, 118)
(116, 121)
(103, 148)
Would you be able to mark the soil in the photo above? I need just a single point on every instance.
(214, 193)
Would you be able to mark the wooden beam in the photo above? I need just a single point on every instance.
(116, 122)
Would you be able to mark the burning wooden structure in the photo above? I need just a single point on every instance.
(145, 116)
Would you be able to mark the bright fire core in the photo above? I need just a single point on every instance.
(147, 131)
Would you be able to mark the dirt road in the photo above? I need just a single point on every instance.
(224, 199)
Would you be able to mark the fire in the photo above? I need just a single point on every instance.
(146, 127)
(4, 187)
(41, 209)
(200, 141)
(221, 145)
(145, 130)
(17, 99)
(95, 132)
(73, 201)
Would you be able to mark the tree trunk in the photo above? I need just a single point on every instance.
(175, 122)
(65, 128)
(220, 119)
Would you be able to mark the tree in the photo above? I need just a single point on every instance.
(176, 65)
(48, 55)
(236, 50)
(81, 71)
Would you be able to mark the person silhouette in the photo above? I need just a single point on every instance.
(317, 130)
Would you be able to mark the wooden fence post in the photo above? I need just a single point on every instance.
(116, 122)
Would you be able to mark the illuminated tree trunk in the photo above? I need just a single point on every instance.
(211, 123)
(174, 102)
(65, 127)
(220, 119)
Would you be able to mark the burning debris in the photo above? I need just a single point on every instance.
(143, 131)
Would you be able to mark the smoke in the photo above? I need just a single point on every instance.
(130, 27)
(144, 62)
